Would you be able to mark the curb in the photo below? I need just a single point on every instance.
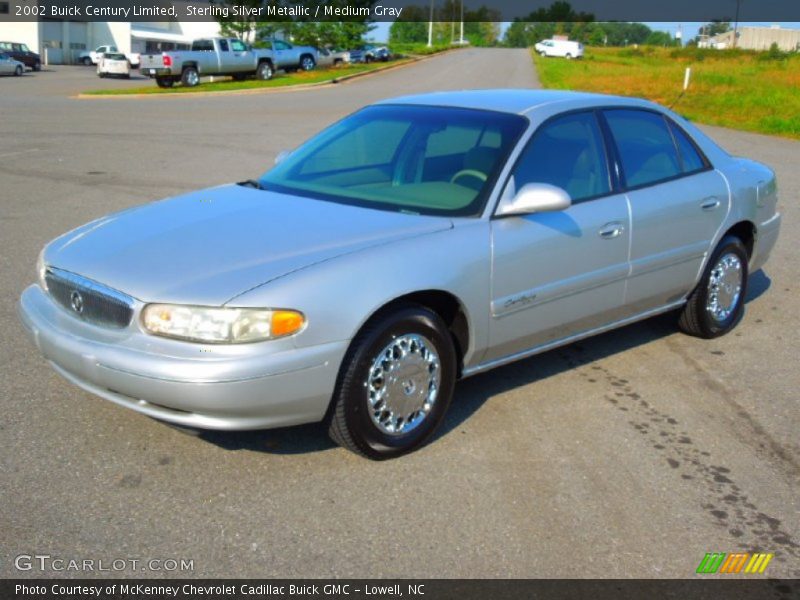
(269, 90)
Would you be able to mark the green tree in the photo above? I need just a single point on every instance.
(660, 38)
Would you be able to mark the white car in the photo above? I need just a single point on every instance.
(93, 57)
(9, 66)
(563, 48)
(114, 64)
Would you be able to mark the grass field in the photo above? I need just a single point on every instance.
(744, 90)
(280, 80)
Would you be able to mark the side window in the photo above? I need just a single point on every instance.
(566, 152)
(238, 46)
(278, 45)
(371, 144)
(223, 45)
(645, 145)
(690, 157)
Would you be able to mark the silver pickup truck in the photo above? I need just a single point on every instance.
(290, 58)
(212, 56)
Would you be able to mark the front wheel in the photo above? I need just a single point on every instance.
(190, 77)
(37, 66)
(395, 384)
(716, 304)
(18, 71)
(87, 61)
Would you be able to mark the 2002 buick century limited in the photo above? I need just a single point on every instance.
(419, 240)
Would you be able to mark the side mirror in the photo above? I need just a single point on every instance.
(533, 198)
(282, 155)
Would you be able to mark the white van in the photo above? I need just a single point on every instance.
(563, 48)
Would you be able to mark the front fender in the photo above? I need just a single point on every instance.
(339, 295)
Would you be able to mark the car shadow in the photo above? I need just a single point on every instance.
(472, 393)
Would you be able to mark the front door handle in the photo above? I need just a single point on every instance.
(611, 230)
(710, 203)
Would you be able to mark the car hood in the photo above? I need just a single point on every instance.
(209, 246)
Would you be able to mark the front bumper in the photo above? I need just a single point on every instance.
(248, 386)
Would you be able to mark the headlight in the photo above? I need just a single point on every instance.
(220, 325)
(41, 270)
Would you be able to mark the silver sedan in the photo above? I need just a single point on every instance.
(417, 241)
(9, 66)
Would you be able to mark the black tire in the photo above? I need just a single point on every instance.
(568, 56)
(367, 59)
(264, 72)
(18, 71)
(37, 66)
(165, 82)
(190, 77)
(350, 424)
(87, 61)
(696, 319)
(307, 62)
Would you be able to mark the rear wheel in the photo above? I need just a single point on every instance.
(717, 303)
(264, 71)
(568, 56)
(395, 384)
(190, 77)
(165, 82)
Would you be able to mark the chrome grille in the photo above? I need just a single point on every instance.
(89, 300)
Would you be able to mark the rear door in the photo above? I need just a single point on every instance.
(678, 203)
(557, 274)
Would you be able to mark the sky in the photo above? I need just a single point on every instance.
(690, 30)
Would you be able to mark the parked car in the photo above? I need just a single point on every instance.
(563, 48)
(328, 57)
(9, 66)
(369, 53)
(93, 57)
(212, 56)
(290, 58)
(23, 54)
(419, 240)
(114, 64)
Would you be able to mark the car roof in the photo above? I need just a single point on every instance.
(516, 101)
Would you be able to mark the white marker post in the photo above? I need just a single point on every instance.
(686, 78)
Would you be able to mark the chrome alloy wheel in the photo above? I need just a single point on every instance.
(192, 79)
(724, 287)
(403, 384)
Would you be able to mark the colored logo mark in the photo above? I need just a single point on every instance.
(735, 562)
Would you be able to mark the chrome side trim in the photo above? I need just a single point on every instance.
(498, 362)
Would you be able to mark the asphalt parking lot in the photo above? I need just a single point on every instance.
(627, 455)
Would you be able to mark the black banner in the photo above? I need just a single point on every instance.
(740, 588)
(391, 10)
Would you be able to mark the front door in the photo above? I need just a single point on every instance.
(557, 274)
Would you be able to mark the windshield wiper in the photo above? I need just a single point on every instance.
(252, 183)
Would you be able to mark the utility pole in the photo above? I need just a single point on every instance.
(736, 24)
(430, 28)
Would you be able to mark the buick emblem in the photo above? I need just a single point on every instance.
(76, 300)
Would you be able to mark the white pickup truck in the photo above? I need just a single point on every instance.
(211, 56)
(93, 57)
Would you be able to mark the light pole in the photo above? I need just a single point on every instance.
(461, 37)
(736, 23)
(430, 28)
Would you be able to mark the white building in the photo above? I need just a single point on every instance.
(756, 38)
(61, 41)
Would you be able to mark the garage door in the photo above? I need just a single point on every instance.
(52, 41)
(77, 40)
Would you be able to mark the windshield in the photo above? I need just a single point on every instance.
(421, 159)
(114, 56)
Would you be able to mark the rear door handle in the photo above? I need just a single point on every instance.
(611, 230)
(710, 203)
